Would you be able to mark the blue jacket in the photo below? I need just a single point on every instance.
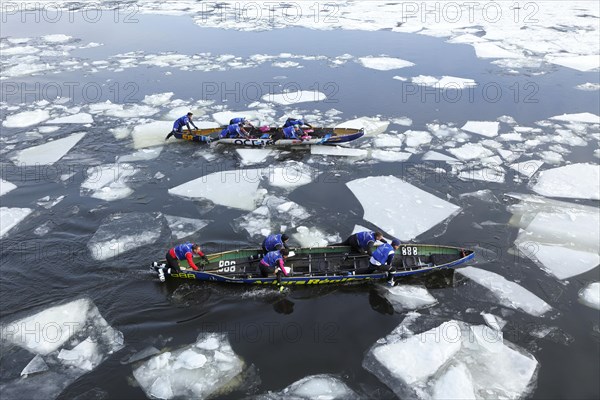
(290, 133)
(272, 259)
(237, 120)
(182, 250)
(273, 242)
(291, 122)
(382, 255)
(181, 122)
(364, 238)
(231, 131)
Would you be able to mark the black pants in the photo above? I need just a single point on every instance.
(172, 263)
(265, 271)
(352, 241)
(381, 268)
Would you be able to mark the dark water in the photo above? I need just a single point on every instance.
(309, 330)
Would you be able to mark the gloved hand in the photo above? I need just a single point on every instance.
(205, 259)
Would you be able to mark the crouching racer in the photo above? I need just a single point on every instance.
(274, 262)
(363, 241)
(184, 251)
(381, 260)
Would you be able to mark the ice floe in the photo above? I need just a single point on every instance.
(390, 155)
(236, 189)
(120, 233)
(319, 387)
(274, 214)
(314, 237)
(108, 181)
(435, 156)
(151, 134)
(454, 360)
(141, 155)
(157, 99)
(590, 295)
(384, 63)
(493, 321)
(254, 156)
(444, 83)
(578, 62)
(25, 119)
(288, 98)
(563, 238)
(290, 175)
(508, 293)
(471, 151)
(57, 38)
(408, 297)
(206, 368)
(6, 186)
(588, 87)
(485, 174)
(338, 151)
(571, 181)
(399, 208)
(69, 340)
(47, 153)
(10, 217)
(483, 128)
(417, 138)
(80, 118)
(183, 227)
(527, 168)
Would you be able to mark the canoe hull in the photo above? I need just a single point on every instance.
(325, 265)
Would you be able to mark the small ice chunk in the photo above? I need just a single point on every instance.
(590, 295)
(313, 237)
(408, 297)
(57, 38)
(183, 227)
(483, 128)
(25, 119)
(11, 217)
(493, 321)
(189, 359)
(108, 181)
(6, 186)
(580, 117)
(290, 175)
(508, 293)
(288, 98)
(390, 155)
(319, 387)
(372, 126)
(572, 181)
(141, 155)
(85, 355)
(384, 63)
(388, 141)
(445, 82)
(400, 209)
(588, 87)
(470, 151)
(435, 156)
(49, 152)
(48, 129)
(81, 118)
(36, 365)
(253, 156)
(417, 138)
(157, 99)
(492, 50)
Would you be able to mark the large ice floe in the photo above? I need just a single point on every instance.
(399, 208)
(314, 387)
(508, 293)
(120, 233)
(10, 217)
(454, 360)
(49, 152)
(562, 238)
(25, 119)
(205, 368)
(108, 181)
(288, 98)
(590, 295)
(572, 181)
(62, 343)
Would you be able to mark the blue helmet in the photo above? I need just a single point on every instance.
(395, 242)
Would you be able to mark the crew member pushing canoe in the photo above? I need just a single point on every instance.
(273, 262)
(241, 120)
(180, 122)
(363, 241)
(275, 242)
(299, 121)
(234, 131)
(381, 260)
(183, 251)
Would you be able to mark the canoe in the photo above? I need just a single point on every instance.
(325, 136)
(323, 265)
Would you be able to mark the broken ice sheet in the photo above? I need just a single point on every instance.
(273, 213)
(508, 293)
(76, 330)
(452, 360)
(288, 98)
(384, 63)
(572, 181)
(483, 128)
(120, 233)
(314, 237)
(47, 153)
(563, 238)
(108, 181)
(253, 156)
(25, 119)
(207, 367)
(6, 186)
(399, 209)
(10, 217)
(408, 297)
